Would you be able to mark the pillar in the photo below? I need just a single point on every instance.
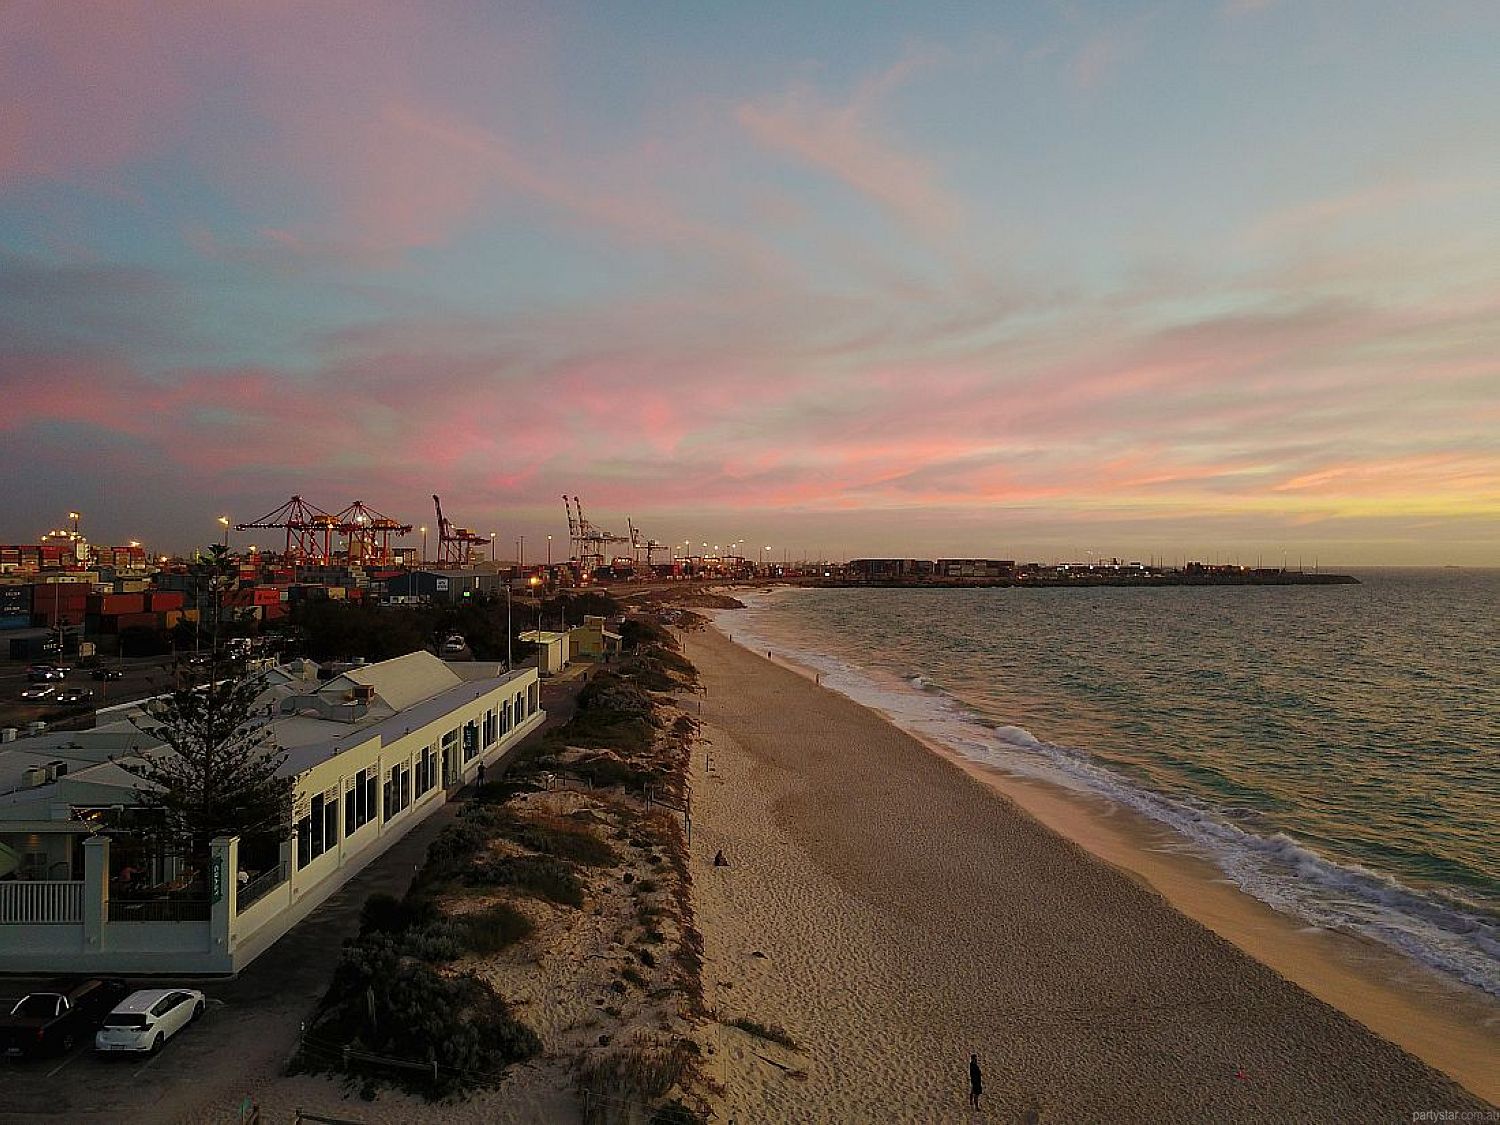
(223, 889)
(95, 893)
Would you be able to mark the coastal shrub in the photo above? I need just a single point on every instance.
(543, 876)
(383, 1003)
(609, 694)
(633, 976)
(638, 631)
(383, 913)
(453, 850)
(771, 1032)
(495, 928)
(641, 1073)
(565, 843)
(435, 941)
(674, 1112)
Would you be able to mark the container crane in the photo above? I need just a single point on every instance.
(309, 529)
(455, 544)
(367, 534)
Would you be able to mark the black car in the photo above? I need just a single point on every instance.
(66, 1013)
(107, 674)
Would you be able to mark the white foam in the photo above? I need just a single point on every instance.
(1441, 931)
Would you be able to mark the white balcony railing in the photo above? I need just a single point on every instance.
(32, 901)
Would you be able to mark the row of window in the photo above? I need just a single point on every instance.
(318, 830)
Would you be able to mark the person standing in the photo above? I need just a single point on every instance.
(976, 1085)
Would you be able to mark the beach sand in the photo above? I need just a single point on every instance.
(895, 914)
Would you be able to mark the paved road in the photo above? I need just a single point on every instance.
(252, 1023)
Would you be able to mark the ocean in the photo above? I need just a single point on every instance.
(1335, 750)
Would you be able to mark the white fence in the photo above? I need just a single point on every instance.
(27, 901)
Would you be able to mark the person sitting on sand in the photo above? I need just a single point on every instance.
(719, 860)
(976, 1086)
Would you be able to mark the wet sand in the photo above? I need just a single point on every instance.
(894, 914)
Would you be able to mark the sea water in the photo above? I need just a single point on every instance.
(1335, 750)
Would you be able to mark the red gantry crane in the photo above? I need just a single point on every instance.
(309, 529)
(367, 534)
(455, 544)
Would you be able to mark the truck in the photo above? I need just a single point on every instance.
(59, 1016)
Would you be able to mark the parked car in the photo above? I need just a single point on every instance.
(59, 1017)
(145, 1020)
(41, 673)
(108, 674)
(39, 691)
(454, 645)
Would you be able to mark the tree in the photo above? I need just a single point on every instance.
(218, 771)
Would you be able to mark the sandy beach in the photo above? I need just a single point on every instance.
(894, 914)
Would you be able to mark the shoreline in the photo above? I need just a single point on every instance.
(864, 917)
(1452, 1028)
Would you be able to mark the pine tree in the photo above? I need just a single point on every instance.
(217, 772)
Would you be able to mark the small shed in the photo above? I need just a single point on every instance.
(552, 650)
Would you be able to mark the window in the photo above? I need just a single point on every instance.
(397, 789)
(520, 707)
(491, 729)
(361, 802)
(426, 769)
(505, 717)
(471, 741)
(532, 692)
(318, 831)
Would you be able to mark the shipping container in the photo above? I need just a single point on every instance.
(159, 600)
(125, 621)
(117, 604)
(15, 621)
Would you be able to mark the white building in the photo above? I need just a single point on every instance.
(374, 751)
(552, 650)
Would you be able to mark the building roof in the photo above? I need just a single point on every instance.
(410, 692)
(545, 637)
(399, 682)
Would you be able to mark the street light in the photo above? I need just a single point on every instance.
(424, 546)
(507, 625)
(492, 546)
(549, 552)
(225, 521)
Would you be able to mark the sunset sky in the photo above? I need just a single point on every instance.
(1018, 280)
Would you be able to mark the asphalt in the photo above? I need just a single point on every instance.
(253, 1021)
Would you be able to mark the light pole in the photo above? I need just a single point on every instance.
(424, 546)
(225, 521)
(549, 552)
(507, 625)
(492, 546)
(521, 553)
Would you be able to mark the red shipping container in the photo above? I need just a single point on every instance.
(117, 604)
(159, 600)
(267, 595)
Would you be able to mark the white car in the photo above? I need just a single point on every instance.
(144, 1020)
(41, 691)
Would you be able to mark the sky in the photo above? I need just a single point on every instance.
(1042, 280)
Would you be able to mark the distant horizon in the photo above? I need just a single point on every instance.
(1188, 279)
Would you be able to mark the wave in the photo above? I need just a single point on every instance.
(1437, 928)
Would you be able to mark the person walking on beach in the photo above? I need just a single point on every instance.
(976, 1086)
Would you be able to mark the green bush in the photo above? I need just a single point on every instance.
(495, 928)
(384, 1003)
(540, 875)
(565, 843)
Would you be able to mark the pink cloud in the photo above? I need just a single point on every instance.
(843, 141)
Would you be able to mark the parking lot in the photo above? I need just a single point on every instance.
(142, 676)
